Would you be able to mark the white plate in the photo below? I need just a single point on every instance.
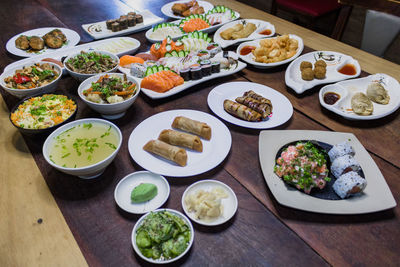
(346, 89)
(118, 45)
(174, 212)
(261, 26)
(72, 39)
(153, 40)
(98, 30)
(376, 196)
(282, 109)
(167, 11)
(334, 61)
(249, 58)
(229, 204)
(214, 150)
(122, 193)
(188, 84)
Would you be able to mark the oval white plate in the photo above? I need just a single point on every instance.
(282, 109)
(334, 61)
(261, 26)
(174, 212)
(346, 89)
(167, 11)
(72, 40)
(229, 204)
(214, 150)
(122, 193)
(153, 40)
(249, 58)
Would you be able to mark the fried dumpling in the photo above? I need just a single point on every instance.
(361, 104)
(377, 93)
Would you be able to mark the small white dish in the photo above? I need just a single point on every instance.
(73, 39)
(346, 90)
(174, 212)
(167, 8)
(21, 93)
(282, 109)
(122, 193)
(157, 40)
(109, 111)
(87, 172)
(334, 61)
(260, 24)
(229, 204)
(249, 58)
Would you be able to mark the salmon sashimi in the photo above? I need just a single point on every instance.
(195, 24)
(162, 81)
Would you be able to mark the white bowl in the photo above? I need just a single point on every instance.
(81, 76)
(21, 93)
(87, 172)
(139, 222)
(109, 111)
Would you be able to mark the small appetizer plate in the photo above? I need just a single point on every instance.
(229, 204)
(151, 39)
(122, 193)
(264, 29)
(282, 109)
(167, 8)
(249, 58)
(376, 196)
(159, 261)
(73, 39)
(335, 62)
(214, 150)
(346, 89)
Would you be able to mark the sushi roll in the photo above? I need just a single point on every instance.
(214, 49)
(215, 67)
(138, 70)
(139, 18)
(205, 67)
(123, 23)
(109, 23)
(133, 14)
(343, 165)
(131, 21)
(349, 184)
(203, 54)
(185, 74)
(115, 27)
(340, 149)
(195, 73)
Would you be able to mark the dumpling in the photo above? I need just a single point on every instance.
(361, 104)
(377, 93)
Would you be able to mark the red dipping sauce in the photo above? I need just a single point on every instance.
(331, 98)
(348, 69)
(246, 50)
(265, 32)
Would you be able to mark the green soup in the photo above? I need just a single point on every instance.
(83, 145)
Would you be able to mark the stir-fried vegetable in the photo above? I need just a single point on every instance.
(32, 76)
(91, 62)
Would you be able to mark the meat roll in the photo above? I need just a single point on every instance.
(263, 108)
(167, 151)
(349, 184)
(241, 111)
(181, 139)
(192, 126)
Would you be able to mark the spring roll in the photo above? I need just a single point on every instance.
(167, 151)
(181, 139)
(258, 97)
(241, 111)
(227, 34)
(263, 108)
(245, 32)
(195, 127)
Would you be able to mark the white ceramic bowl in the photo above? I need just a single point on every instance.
(21, 93)
(109, 111)
(87, 172)
(81, 76)
(139, 222)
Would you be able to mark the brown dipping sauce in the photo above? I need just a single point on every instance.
(331, 98)
(246, 50)
(265, 32)
(348, 69)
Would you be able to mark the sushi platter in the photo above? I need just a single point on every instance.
(375, 197)
(335, 62)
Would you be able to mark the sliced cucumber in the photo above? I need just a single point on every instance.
(208, 40)
(149, 71)
(155, 69)
(160, 68)
(181, 53)
(157, 46)
(168, 54)
(178, 43)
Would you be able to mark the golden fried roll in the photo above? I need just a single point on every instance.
(245, 32)
(181, 139)
(167, 151)
(241, 111)
(258, 97)
(192, 126)
(227, 34)
(263, 108)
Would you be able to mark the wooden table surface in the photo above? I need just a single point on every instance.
(52, 219)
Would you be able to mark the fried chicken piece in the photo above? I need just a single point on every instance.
(36, 43)
(22, 42)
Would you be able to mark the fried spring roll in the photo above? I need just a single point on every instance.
(258, 97)
(181, 139)
(192, 126)
(227, 34)
(245, 32)
(167, 151)
(263, 108)
(241, 111)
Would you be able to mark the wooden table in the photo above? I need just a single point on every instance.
(52, 219)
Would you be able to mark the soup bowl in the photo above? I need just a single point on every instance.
(86, 172)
